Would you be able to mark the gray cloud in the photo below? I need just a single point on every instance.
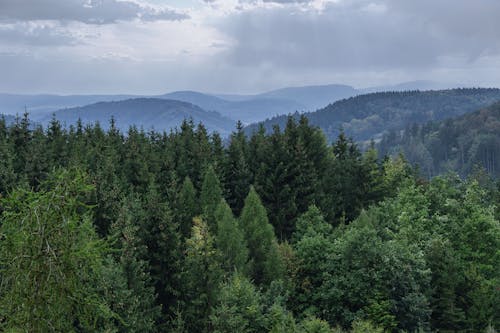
(364, 35)
(248, 48)
(36, 35)
(89, 11)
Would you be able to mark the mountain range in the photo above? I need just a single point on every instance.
(362, 114)
(247, 108)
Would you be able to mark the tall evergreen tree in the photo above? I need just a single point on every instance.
(210, 197)
(201, 276)
(131, 291)
(160, 235)
(230, 241)
(186, 207)
(262, 243)
(237, 172)
(51, 264)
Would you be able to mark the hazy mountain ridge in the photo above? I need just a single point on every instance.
(456, 144)
(247, 108)
(365, 117)
(148, 113)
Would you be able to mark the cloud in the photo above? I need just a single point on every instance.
(88, 11)
(363, 34)
(244, 45)
(27, 33)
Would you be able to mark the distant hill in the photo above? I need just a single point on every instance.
(456, 144)
(148, 113)
(313, 97)
(368, 116)
(248, 110)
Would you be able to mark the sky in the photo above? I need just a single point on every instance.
(243, 46)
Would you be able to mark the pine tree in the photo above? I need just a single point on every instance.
(52, 262)
(230, 241)
(238, 176)
(160, 235)
(239, 308)
(210, 197)
(186, 207)
(262, 243)
(201, 277)
(7, 175)
(132, 294)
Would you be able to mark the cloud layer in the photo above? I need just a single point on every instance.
(90, 11)
(244, 45)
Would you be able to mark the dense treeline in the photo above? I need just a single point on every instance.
(368, 116)
(457, 144)
(280, 232)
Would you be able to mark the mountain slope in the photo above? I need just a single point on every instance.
(368, 116)
(456, 144)
(160, 114)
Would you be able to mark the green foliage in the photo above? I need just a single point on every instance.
(51, 259)
(366, 116)
(201, 276)
(314, 325)
(239, 308)
(457, 144)
(186, 207)
(230, 241)
(262, 244)
(131, 291)
(210, 197)
(333, 237)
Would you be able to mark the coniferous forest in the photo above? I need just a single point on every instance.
(105, 231)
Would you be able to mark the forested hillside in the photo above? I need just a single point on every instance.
(148, 113)
(456, 144)
(368, 116)
(280, 232)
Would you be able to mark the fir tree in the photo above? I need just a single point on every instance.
(210, 197)
(262, 244)
(230, 241)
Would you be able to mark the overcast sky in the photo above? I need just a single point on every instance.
(243, 46)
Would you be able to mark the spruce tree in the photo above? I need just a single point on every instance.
(186, 207)
(262, 243)
(159, 233)
(52, 262)
(131, 289)
(210, 197)
(238, 176)
(201, 278)
(230, 241)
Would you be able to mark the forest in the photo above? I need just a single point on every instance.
(369, 116)
(280, 231)
(458, 144)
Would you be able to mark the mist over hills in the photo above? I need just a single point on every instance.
(148, 113)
